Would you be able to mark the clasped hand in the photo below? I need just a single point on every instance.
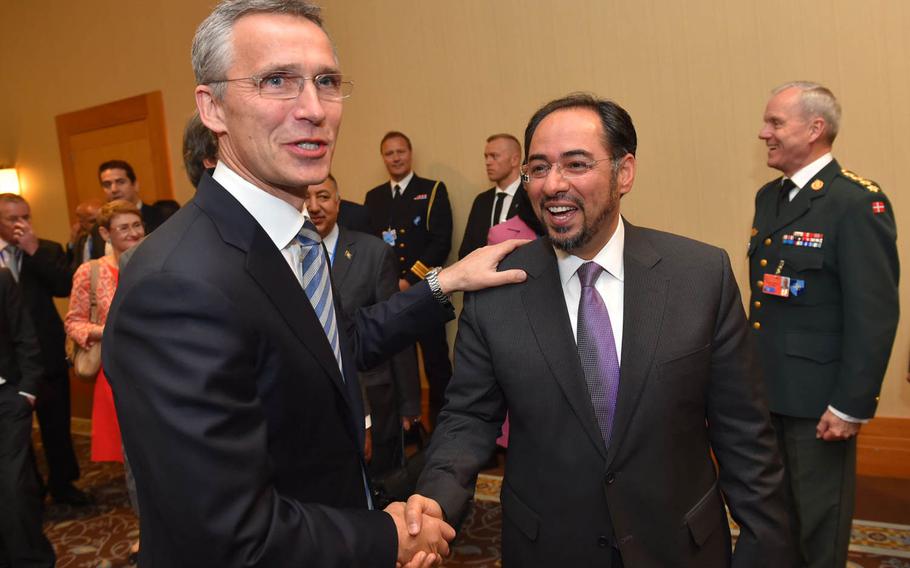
(423, 536)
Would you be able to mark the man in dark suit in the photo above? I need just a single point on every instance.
(81, 243)
(118, 180)
(502, 156)
(22, 542)
(824, 310)
(233, 370)
(624, 360)
(354, 216)
(364, 273)
(413, 216)
(41, 268)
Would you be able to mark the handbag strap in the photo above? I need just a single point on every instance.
(92, 294)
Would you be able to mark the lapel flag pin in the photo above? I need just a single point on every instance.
(347, 254)
(878, 207)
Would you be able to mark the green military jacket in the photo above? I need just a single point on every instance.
(828, 341)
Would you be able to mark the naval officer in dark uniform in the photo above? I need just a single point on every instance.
(413, 215)
(824, 270)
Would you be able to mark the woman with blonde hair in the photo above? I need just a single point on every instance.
(120, 224)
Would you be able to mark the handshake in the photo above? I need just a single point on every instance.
(423, 537)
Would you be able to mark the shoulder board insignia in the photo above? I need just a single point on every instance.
(869, 185)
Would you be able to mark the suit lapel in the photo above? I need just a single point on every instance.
(267, 266)
(513, 206)
(644, 301)
(553, 330)
(344, 256)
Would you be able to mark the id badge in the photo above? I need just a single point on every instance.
(776, 285)
(389, 236)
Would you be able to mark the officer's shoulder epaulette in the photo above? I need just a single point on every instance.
(868, 184)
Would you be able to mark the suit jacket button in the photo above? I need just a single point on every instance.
(402, 231)
(610, 478)
(603, 541)
(401, 258)
(763, 262)
(757, 325)
(759, 283)
(757, 304)
(767, 242)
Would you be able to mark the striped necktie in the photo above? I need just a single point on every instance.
(10, 256)
(317, 284)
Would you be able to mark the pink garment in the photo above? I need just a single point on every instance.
(106, 442)
(514, 228)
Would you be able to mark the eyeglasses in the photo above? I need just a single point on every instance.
(284, 86)
(571, 167)
(125, 229)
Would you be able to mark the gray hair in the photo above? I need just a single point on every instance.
(816, 100)
(212, 45)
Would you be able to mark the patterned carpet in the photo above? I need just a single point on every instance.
(99, 536)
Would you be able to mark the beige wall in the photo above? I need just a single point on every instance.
(694, 75)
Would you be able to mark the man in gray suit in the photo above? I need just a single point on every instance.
(624, 360)
(365, 272)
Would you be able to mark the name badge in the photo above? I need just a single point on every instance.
(389, 236)
(776, 285)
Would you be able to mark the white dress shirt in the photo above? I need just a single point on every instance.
(510, 191)
(403, 184)
(807, 172)
(610, 284)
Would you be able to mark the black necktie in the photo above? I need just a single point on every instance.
(783, 198)
(497, 208)
(397, 192)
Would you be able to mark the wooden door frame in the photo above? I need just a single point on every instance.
(148, 107)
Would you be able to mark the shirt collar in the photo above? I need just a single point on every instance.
(3, 244)
(278, 218)
(511, 188)
(403, 183)
(609, 257)
(807, 172)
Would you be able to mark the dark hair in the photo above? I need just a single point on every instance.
(395, 134)
(119, 165)
(199, 144)
(619, 132)
(166, 207)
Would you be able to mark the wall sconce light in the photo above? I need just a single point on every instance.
(9, 181)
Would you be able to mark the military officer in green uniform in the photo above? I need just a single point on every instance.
(413, 215)
(824, 271)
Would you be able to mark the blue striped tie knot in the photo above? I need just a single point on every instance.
(317, 284)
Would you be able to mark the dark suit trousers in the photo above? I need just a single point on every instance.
(821, 479)
(438, 367)
(53, 410)
(22, 542)
(386, 427)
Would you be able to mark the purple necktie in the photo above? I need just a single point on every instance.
(597, 349)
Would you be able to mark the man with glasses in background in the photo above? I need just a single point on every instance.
(233, 367)
(624, 362)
